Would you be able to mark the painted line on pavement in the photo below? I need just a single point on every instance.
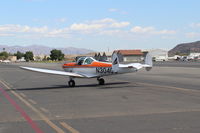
(32, 101)
(23, 95)
(51, 124)
(44, 110)
(170, 87)
(68, 127)
(164, 86)
(22, 112)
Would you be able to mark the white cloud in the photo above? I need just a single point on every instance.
(119, 24)
(101, 24)
(195, 25)
(105, 20)
(10, 28)
(169, 32)
(28, 31)
(112, 10)
(94, 26)
(57, 32)
(138, 29)
(151, 30)
(110, 32)
(61, 20)
(3, 34)
(39, 29)
(86, 27)
(22, 28)
(192, 34)
(105, 26)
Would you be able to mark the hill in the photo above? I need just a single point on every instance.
(39, 50)
(185, 48)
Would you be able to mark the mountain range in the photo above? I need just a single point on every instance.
(185, 48)
(43, 50)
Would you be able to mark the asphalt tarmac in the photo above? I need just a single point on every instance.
(164, 100)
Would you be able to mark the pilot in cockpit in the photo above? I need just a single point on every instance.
(85, 60)
(80, 60)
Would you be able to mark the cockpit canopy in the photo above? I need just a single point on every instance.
(85, 60)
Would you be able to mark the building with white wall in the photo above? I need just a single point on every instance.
(159, 54)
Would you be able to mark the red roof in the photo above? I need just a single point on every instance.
(129, 52)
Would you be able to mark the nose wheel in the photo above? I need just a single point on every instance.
(71, 83)
(101, 81)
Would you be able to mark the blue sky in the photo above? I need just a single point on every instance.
(99, 25)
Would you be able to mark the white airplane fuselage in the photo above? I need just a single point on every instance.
(99, 71)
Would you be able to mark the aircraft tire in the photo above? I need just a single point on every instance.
(101, 81)
(71, 83)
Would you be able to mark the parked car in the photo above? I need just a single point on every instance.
(6, 61)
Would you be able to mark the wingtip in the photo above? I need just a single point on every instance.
(21, 66)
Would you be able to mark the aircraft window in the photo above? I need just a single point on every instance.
(80, 60)
(88, 61)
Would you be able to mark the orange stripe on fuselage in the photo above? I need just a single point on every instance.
(94, 64)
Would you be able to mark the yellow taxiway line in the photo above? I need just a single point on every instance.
(68, 127)
(42, 116)
(169, 87)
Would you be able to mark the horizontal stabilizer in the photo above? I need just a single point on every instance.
(132, 65)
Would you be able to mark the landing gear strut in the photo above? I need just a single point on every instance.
(101, 81)
(71, 83)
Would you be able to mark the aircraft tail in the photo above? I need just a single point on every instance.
(148, 62)
(115, 62)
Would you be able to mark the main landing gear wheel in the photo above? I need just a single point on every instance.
(101, 81)
(71, 83)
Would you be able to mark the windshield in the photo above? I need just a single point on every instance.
(84, 60)
(80, 60)
(88, 60)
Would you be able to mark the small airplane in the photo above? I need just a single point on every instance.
(88, 67)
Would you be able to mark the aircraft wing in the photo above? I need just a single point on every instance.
(89, 75)
(53, 72)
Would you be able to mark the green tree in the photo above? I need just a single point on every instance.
(4, 55)
(48, 58)
(28, 56)
(56, 55)
(19, 55)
